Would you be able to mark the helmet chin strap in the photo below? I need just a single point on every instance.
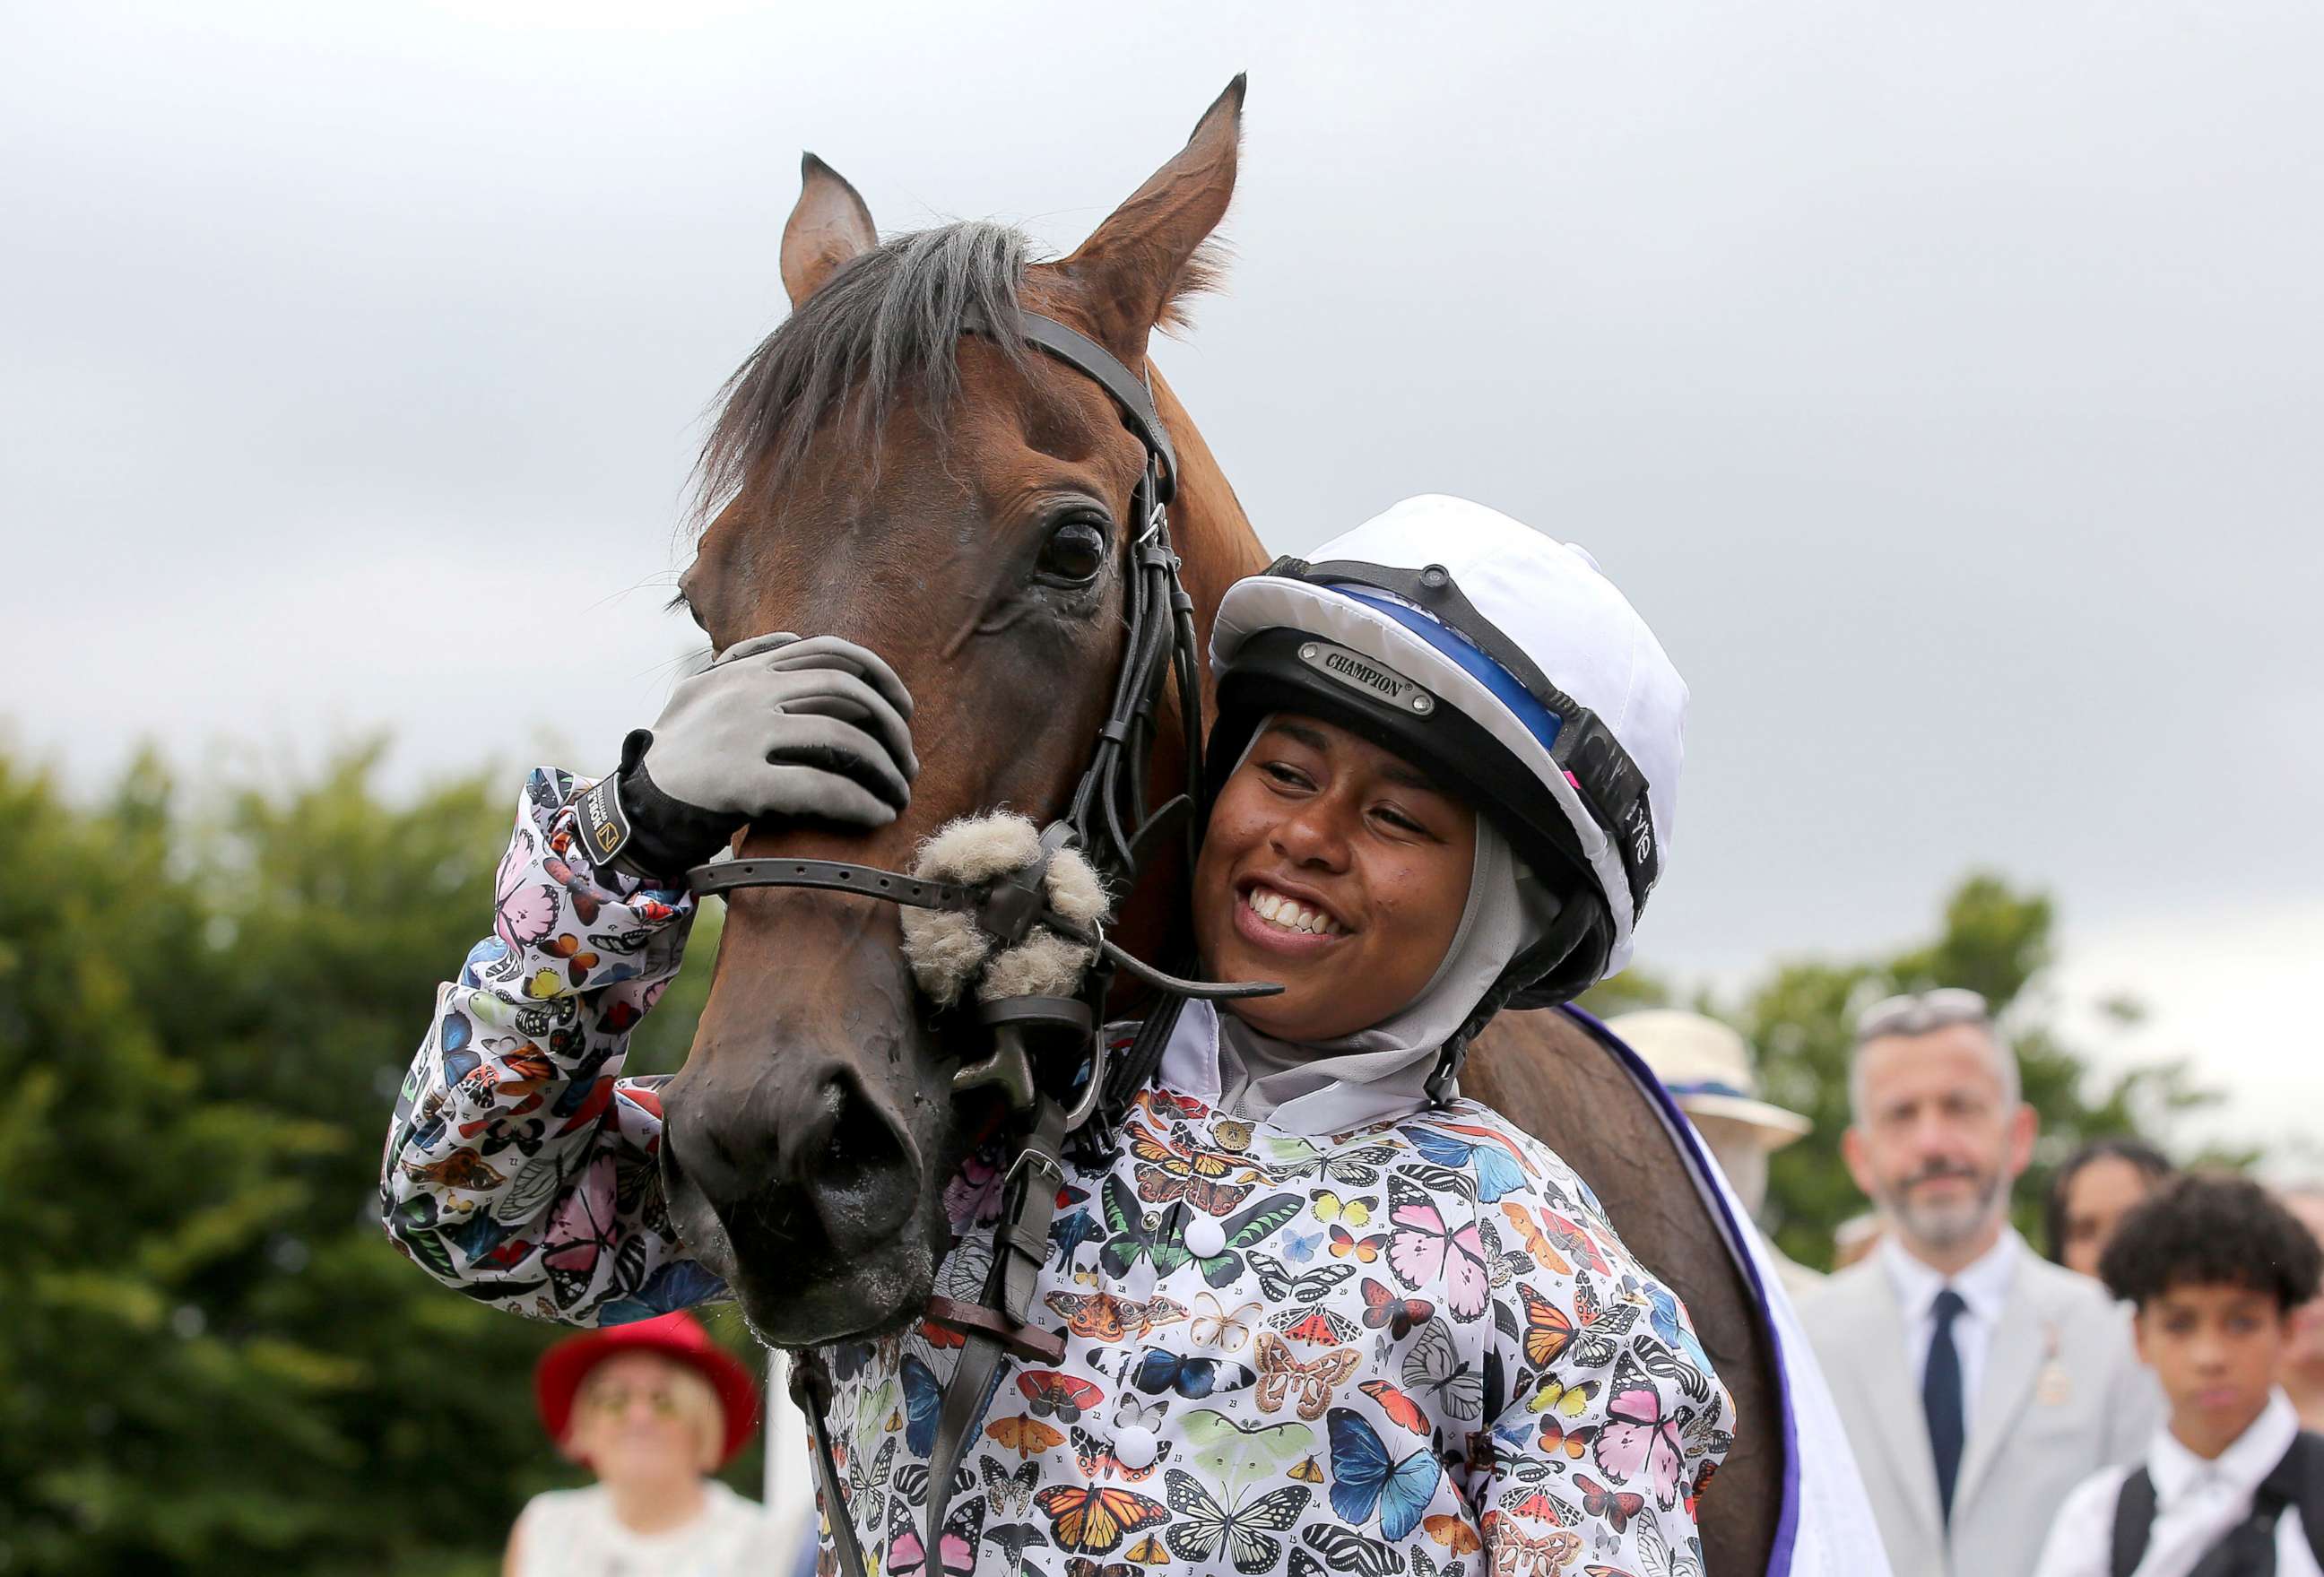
(1567, 930)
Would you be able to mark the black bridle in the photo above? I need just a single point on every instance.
(1110, 820)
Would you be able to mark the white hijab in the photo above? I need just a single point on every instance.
(1507, 911)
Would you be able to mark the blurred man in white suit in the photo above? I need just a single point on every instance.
(1977, 1382)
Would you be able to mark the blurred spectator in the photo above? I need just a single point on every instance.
(2215, 1267)
(2090, 1193)
(1707, 1068)
(2093, 1190)
(1855, 1238)
(651, 1409)
(1977, 1383)
(2303, 1374)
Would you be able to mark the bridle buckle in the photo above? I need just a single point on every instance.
(1036, 1159)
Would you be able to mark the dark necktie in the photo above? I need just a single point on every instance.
(1940, 1397)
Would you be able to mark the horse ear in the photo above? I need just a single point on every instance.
(829, 227)
(1149, 255)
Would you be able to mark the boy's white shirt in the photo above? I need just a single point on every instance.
(2196, 1502)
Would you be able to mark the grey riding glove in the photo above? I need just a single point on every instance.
(776, 727)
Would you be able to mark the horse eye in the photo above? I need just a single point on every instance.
(1074, 554)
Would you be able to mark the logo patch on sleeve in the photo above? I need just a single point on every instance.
(605, 826)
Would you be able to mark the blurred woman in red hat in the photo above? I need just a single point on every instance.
(652, 1409)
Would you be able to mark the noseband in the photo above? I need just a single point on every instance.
(1109, 820)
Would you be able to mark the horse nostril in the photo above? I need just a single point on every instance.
(790, 1163)
(861, 1142)
(807, 1136)
(862, 1177)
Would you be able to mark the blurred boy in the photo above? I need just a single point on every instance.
(2231, 1487)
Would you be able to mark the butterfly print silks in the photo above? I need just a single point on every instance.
(1416, 1351)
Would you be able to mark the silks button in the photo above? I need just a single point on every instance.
(1205, 1238)
(1136, 1447)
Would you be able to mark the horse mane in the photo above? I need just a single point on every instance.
(887, 321)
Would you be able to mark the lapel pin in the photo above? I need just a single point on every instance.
(2054, 1387)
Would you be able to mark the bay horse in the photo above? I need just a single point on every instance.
(963, 506)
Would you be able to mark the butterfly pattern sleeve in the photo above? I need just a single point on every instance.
(1614, 1421)
(520, 1168)
(1299, 1354)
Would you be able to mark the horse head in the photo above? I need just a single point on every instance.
(963, 506)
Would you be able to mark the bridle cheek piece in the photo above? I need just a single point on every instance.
(1110, 823)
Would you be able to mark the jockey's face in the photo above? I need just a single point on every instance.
(1333, 866)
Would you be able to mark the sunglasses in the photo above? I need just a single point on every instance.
(1922, 1012)
(614, 1400)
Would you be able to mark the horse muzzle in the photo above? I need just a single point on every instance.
(803, 1178)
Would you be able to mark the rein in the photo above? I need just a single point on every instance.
(1109, 820)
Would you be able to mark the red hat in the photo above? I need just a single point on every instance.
(678, 1337)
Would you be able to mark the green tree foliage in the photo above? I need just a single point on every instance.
(212, 1361)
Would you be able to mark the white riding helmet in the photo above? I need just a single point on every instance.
(1502, 662)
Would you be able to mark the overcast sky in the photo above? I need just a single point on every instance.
(1943, 382)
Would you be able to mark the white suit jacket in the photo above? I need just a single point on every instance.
(2063, 1396)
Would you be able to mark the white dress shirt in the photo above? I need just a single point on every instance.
(1984, 1287)
(2196, 1502)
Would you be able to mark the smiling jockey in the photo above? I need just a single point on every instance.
(1318, 1311)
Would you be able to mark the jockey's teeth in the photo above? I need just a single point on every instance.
(1277, 909)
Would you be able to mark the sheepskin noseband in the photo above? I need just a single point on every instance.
(949, 952)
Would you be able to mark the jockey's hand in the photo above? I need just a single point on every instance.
(776, 727)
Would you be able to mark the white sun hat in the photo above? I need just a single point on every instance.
(1499, 659)
(1707, 1068)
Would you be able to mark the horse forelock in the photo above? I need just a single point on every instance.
(888, 321)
